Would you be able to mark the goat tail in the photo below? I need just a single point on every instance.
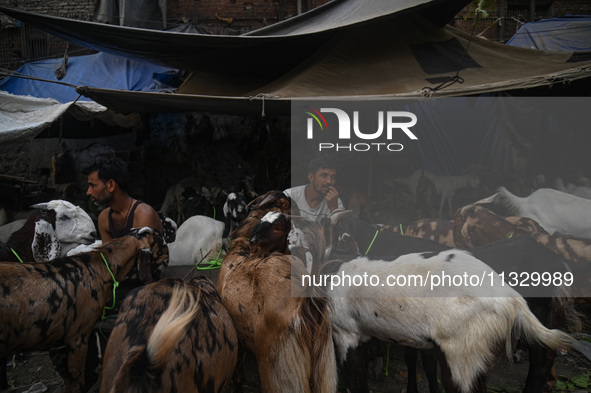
(533, 330)
(317, 335)
(306, 353)
(172, 325)
(144, 362)
(508, 200)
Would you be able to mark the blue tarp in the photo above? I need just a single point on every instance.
(565, 34)
(98, 70)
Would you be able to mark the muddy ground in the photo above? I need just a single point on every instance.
(34, 373)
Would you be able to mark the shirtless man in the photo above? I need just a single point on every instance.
(107, 186)
(319, 197)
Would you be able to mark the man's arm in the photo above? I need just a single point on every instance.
(146, 216)
(103, 226)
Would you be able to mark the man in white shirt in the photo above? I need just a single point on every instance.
(319, 197)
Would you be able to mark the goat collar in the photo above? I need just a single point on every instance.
(17, 257)
(115, 285)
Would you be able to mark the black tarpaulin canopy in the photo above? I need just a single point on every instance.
(350, 49)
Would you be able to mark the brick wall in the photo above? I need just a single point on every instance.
(235, 16)
(516, 13)
(80, 8)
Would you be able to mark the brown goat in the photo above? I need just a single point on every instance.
(64, 298)
(477, 226)
(171, 336)
(290, 335)
(436, 229)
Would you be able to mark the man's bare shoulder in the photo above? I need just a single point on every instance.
(145, 208)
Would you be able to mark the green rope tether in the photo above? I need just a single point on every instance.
(115, 285)
(372, 240)
(214, 263)
(17, 257)
(401, 231)
(388, 359)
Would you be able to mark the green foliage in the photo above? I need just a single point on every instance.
(572, 384)
(503, 389)
(481, 7)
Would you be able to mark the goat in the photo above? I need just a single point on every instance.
(511, 255)
(289, 334)
(196, 238)
(476, 226)
(196, 204)
(580, 191)
(172, 205)
(170, 228)
(467, 332)
(556, 211)
(436, 229)
(49, 233)
(270, 235)
(420, 316)
(64, 298)
(234, 211)
(171, 336)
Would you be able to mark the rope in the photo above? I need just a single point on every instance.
(262, 96)
(401, 231)
(17, 257)
(115, 285)
(12, 74)
(215, 263)
(372, 240)
(456, 78)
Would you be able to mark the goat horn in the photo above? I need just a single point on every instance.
(338, 213)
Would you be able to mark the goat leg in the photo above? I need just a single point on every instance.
(239, 377)
(429, 361)
(540, 377)
(76, 365)
(354, 369)
(411, 356)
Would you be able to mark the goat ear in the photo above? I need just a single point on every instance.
(45, 245)
(337, 214)
(42, 206)
(144, 258)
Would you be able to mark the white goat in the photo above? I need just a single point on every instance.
(57, 228)
(580, 191)
(556, 211)
(469, 323)
(195, 238)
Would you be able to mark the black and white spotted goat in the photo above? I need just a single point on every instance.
(50, 232)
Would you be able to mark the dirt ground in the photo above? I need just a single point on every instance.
(34, 373)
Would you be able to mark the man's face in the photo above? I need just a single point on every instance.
(322, 180)
(98, 190)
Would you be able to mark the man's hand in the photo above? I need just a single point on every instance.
(332, 198)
